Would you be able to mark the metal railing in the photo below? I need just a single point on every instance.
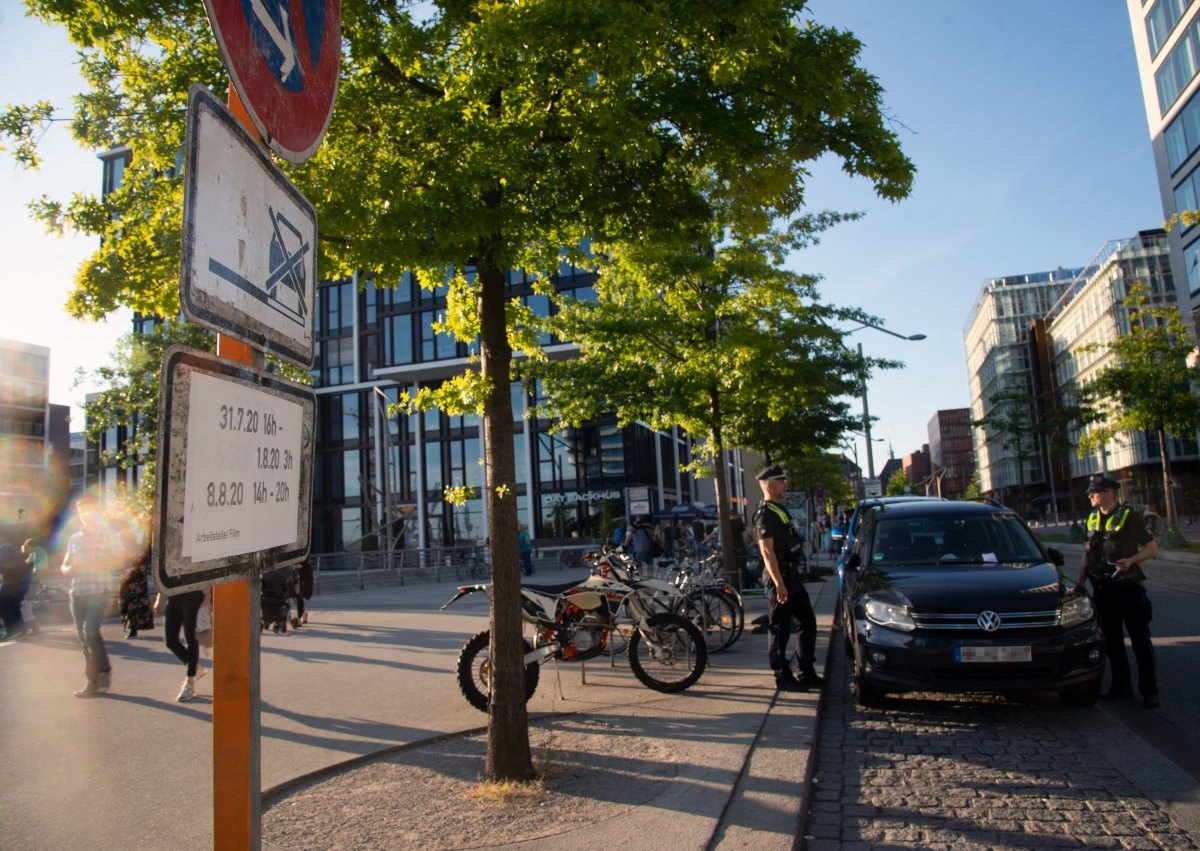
(349, 570)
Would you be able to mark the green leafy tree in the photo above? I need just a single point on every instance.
(973, 491)
(713, 341)
(130, 402)
(473, 138)
(1010, 422)
(1149, 387)
(897, 485)
(1069, 414)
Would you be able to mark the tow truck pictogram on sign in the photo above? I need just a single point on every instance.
(286, 286)
(249, 238)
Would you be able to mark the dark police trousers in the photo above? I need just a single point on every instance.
(1124, 603)
(779, 626)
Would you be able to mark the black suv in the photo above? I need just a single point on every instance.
(960, 596)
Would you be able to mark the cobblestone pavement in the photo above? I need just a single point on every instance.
(971, 772)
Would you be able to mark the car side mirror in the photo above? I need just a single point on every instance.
(1056, 557)
(853, 562)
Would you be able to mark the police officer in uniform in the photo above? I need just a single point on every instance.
(786, 596)
(1118, 543)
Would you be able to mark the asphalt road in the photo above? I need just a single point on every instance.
(133, 769)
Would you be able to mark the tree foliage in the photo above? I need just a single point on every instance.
(130, 402)
(719, 340)
(1010, 422)
(898, 484)
(471, 138)
(1150, 386)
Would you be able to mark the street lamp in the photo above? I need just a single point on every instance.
(866, 414)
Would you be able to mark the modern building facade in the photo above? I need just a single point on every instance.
(1031, 342)
(916, 466)
(951, 453)
(1000, 373)
(1090, 314)
(34, 453)
(1166, 39)
(379, 480)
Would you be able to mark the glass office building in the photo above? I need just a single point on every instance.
(379, 480)
(1166, 40)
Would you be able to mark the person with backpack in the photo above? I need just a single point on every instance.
(639, 541)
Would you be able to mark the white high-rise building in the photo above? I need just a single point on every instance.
(1166, 38)
(998, 363)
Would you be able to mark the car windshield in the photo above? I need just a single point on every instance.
(995, 538)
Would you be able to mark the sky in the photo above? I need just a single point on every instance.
(1024, 119)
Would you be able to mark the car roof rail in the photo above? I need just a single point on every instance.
(987, 501)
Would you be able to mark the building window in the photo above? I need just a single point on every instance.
(1161, 20)
(1191, 262)
(1178, 68)
(1182, 136)
(352, 473)
(398, 340)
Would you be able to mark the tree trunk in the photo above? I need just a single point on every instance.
(720, 485)
(508, 753)
(1172, 519)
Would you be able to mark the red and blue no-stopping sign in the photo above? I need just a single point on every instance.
(283, 56)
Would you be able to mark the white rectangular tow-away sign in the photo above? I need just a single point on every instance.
(234, 478)
(249, 259)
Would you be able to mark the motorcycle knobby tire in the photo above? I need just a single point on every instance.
(698, 652)
(477, 692)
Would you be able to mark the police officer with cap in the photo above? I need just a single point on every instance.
(786, 596)
(1118, 543)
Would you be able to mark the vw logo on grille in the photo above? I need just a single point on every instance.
(988, 621)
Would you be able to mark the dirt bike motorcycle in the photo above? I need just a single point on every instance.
(574, 622)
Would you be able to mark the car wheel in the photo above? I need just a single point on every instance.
(866, 694)
(847, 642)
(1080, 697)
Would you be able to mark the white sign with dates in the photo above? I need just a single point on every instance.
(249, 443)
(235, 470)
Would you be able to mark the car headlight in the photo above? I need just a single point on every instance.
(1075, 611)
(889, 614)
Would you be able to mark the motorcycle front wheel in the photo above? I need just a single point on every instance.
(475, 671)
(670, 656)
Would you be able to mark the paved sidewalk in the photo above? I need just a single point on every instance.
(739, 754)
(373, 672)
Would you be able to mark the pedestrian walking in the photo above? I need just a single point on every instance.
(786, 596)
(1118, 544)
(304, 590)
(181, 612)
(93, 561)
(16, 573)
(639, 540)
(526, 546)
(39, 562)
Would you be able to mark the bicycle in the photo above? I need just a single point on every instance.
(713, 604)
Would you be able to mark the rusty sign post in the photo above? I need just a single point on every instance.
(236, 444)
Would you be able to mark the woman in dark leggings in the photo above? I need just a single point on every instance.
(182, 610)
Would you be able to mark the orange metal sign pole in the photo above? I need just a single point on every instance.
(237, 730)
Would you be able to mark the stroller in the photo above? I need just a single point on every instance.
(278, 588)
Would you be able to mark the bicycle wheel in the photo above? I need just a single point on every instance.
(670, 655)
(715, 616)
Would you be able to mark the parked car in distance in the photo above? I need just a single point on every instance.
(961, 597)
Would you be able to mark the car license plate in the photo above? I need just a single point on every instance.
(994, 653)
